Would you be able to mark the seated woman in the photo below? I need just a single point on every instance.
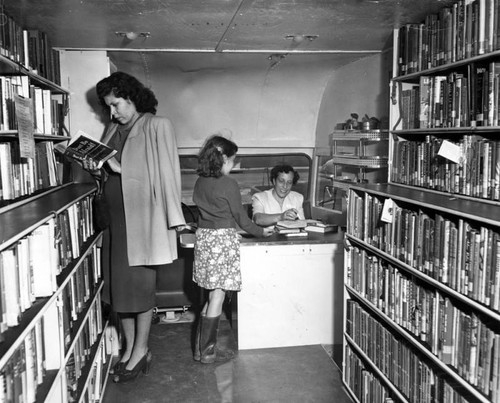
(280, 202)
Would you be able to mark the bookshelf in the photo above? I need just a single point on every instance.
(29, 133)
(54, 341)
(422, 259)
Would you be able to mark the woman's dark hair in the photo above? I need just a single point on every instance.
(123, 85)
(210, 158)
(285, 169)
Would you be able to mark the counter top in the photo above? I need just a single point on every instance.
(187, 240)
(277, 239)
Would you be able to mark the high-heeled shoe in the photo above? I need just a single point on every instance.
(118, 368)
(129, 375)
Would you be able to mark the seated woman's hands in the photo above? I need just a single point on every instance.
(290, 214)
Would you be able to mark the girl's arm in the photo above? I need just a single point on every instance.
(238, 212)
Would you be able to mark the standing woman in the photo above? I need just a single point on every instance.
(143, 190)
(217, 246)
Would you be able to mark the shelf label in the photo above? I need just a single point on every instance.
(387, 211)
(24, 115)
(450, 151)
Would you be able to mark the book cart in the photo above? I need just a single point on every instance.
(422, 260)
(52, 332)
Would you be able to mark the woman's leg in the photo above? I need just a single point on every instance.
(140, 346)
(128, 326)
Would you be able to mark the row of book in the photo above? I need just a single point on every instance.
(74, 226)
(473, 169)
(414, 376)
(82, 353)
(460, 254)
(25, 370)
(363, 384)
(410, 373)
(40, 355)
(460, 339)
(465, 29)
(81, 287)
(94, 391)
(459, 99)
(30, 48)
(403, 300)
(28, 271)
(46, 110)
(25, 176)
(29, 268)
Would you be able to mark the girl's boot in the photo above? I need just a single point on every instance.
(209, 351)
(197, 354)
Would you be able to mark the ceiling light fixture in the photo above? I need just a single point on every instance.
(133, 35)
(298, 38)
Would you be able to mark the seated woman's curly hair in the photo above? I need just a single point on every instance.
(123, 85)
(285, 168)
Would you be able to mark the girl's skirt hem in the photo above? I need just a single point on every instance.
(217, 259)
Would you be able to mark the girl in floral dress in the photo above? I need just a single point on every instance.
(217, 246)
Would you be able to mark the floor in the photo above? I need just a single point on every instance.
(289, 374)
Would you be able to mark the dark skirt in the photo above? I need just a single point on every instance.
(126, 288)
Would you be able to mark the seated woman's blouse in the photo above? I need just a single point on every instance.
(264, 202)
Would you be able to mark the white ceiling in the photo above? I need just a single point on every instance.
(221, 25)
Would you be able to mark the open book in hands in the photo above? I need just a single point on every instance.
(82, 146)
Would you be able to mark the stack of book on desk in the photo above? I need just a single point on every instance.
(291, 228)
(321, 227)
(303, 227)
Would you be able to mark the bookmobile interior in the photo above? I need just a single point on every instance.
(388, 109)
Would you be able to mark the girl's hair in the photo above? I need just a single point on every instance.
(210, 158)
(123, 85)
(285, 169)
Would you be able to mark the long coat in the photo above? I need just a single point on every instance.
(151, 183)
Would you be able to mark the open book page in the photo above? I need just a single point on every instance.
(83, 146)
(292, 223)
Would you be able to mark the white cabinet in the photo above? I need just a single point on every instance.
(291, 294)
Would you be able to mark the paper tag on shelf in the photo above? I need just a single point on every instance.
(450, 151)
(387, 210)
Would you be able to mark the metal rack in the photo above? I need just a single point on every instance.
(353, 156)
(360, 156)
